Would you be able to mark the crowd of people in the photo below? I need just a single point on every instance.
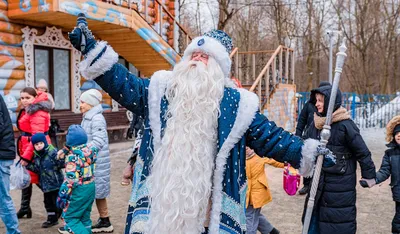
(199, 156)
(65, 193)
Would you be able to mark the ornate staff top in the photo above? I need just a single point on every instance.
(340, 58)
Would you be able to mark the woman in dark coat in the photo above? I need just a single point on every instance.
(335, 202)
(305, 119)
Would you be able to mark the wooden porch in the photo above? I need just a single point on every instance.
(124, 28)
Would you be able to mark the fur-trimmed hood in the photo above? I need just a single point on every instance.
(41, 102)
(390, 127)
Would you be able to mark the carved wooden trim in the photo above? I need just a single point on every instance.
(53, 37)
(114, 105)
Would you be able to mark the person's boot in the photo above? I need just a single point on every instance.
(51, 221)
(274, 231)
(25, 203)
(103, 225)
(59, 213)
(304, 190)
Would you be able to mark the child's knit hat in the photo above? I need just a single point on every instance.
(42, 84)
(76, 135)
(92, 97)
(39, 137)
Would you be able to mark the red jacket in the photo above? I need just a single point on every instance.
(31, 120)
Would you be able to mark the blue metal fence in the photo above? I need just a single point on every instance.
(367, 111)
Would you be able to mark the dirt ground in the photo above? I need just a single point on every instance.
(375, 207)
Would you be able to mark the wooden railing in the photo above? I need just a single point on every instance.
(270, 76)
(272, 66)
(160, 18)
(235, 52)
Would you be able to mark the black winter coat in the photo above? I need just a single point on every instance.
(48, 168)
(305, 118)
(336, 196)
(7, 144)
(391, 167)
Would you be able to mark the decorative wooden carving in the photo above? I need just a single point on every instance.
(53, 37)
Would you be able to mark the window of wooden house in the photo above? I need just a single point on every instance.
(54, 66)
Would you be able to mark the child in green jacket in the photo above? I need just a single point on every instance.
(77, 193)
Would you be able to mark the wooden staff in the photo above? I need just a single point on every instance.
(325, 135)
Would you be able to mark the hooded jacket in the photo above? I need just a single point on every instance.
(391, 161)
(31, 120)
(258, 193)
(96, 128)
(307, 113)
(46, 165)
(335, 200)
(391, 167)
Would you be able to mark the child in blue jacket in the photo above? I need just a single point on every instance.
(390, 167)
(46, 165)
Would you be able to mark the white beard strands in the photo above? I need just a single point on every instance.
(180, 181)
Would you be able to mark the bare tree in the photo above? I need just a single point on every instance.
(371, 28)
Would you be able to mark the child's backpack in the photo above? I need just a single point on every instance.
(291, 180)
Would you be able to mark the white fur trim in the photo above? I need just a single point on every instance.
(248, 106)
(103, 64)
(139, 226)
(213, 48)
(230, 84)
(157, 88)
(307, 163)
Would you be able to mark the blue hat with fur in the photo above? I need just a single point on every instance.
(215, 43)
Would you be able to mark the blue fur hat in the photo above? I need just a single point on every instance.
(215, 43)
(76, 135)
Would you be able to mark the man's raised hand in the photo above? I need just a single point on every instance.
(81, 37)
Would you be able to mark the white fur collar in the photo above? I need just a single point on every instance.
(157, 88)
(248, 106)
(102, 65)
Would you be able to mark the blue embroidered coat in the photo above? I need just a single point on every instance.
(239, 124)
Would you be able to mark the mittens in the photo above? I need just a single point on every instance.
(81, 37)
(64, 195)
(329, 157)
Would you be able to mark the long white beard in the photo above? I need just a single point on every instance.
(180, 181)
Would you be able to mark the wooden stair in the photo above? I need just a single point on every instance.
(274, 84)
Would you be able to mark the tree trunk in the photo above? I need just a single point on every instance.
(310, 48)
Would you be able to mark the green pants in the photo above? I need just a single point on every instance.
(77, 216)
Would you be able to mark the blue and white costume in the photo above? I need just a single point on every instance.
(240, 124)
